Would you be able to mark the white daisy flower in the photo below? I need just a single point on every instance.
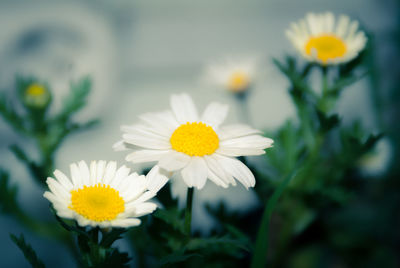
(197, 147)
(377, 162)
(321, 39)
(102, 195)
(234, 76)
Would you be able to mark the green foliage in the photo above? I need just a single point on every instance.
(46, 131)
(100, 254)
(8, 194)
(27, 250)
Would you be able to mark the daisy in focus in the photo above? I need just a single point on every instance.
(322, 38)
(102, 195)
(196, 147)
(234, 76)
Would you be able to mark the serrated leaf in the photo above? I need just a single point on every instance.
(116, 259)
(36, 171)
(8, 194)
(10, 115)
(110, 237)
(173, 217)
(76, 99)
(27, 250)
(327, 122)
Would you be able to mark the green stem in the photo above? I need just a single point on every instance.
(259, 259)
(326, 102)
(325, 86)
(188, 212)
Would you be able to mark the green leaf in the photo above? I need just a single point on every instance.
(176, 258)
(173, 217)
(343, 82)
(10, 115)
(8, 194)
(36, 171)
(261, 248)
(327, 122)
(116, 259)
(28, 251)
(110, 237)
(76, 99)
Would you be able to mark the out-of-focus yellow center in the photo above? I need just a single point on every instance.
(35, 90)
(195, 139)
(238, 81)
(97, 203)
(327, 47)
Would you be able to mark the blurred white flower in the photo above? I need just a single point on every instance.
(377, 162)
(103, 195)
(198, 147)
(319, 38)
(234, 76)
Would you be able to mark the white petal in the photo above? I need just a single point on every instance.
(235, 131)
(142, 156)
(124, 223)
(138, 184)
(63, 179)
(239, 151)
(119, 146)
(195, 173)
(248, 142)
(342, 25)
(163, 122)
(173, 161)
(215, 167)
(215, 114)
(184, 109)
(109, 173)
(84, 170)
(76, 176)
(217, 180)
(145, 197)
(93, 172)
(55, 200)
(58, 189)
(155, 179)
(238, 170)
(101, 166)
(147, 141)
(121, 174)
(144, 208)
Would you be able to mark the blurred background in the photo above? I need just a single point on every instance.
(139, 52)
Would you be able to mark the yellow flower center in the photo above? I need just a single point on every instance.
(35, 90)
(327, 47)
(238, 81)
(195, 139)
(97, 203)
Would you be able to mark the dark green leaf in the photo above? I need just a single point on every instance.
(176, 258)
(36, 171)
(28, 251)
(8, 194)
(110, 237)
